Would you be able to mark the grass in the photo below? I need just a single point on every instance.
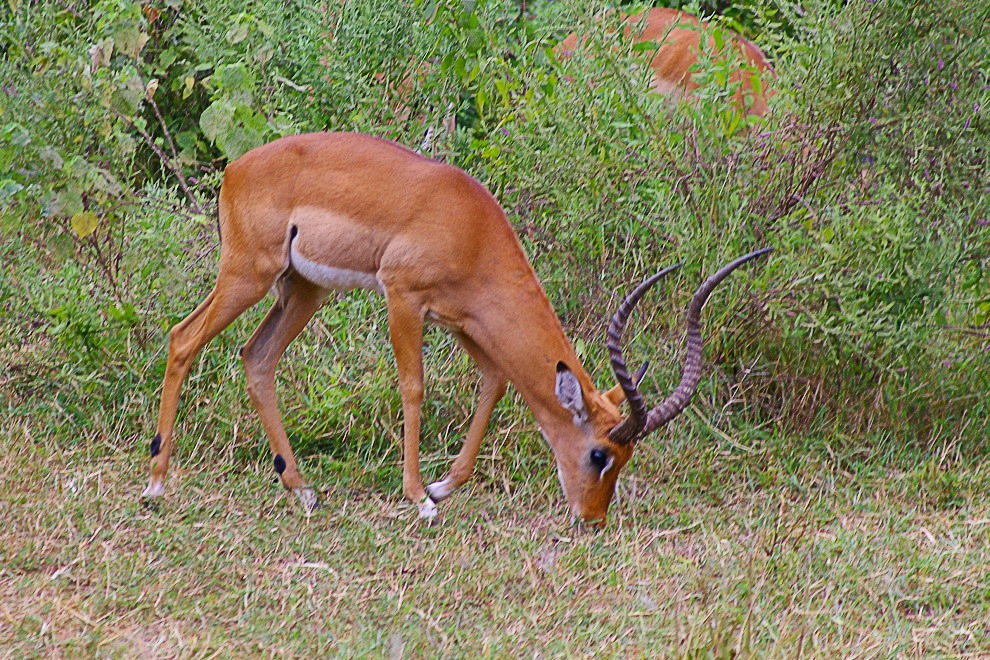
(712, 549)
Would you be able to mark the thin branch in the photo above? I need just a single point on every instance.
(176, 170)
(161, 122)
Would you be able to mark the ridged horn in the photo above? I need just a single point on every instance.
(637, 424)
(629, 428)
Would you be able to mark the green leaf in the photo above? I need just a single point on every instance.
(460, 67)
(84, 223)
(718, 35)
(244, 114)
(264, 53)
(238, 33)
(168, 58)
(127, 96)
(238, 142)
(16, 134)
(103, 181)
(475, 42)
(130, 40)
(756, 83)
(66, 202)
(216, 119)
(124, 313)
(51, 156)
(234, 77)
(186, 140)
(447, 62)
(9, 188)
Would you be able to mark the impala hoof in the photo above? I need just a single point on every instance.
(439, 490)
(584, 525)
(427, 509)
(308, 498)
(152, 495)
(154, 490)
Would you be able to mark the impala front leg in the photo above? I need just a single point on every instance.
(405, 324)
(493, 385)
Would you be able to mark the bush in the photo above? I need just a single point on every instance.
(872, 319)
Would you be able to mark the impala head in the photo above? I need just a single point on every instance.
(601, 442)
(588, 459)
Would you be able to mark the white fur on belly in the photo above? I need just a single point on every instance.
(329, 277)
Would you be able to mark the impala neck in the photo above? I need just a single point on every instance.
(520, 331)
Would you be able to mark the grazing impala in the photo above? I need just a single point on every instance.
(678, 39)
(308, 214)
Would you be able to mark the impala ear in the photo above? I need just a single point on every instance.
(615, 395)
(568, 391)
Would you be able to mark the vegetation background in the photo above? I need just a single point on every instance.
(825, 493)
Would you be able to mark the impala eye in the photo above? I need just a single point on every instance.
(599, 459)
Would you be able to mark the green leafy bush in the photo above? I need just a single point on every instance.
(871, 320)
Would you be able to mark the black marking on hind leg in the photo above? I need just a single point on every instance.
(279, 463)
(156, 445)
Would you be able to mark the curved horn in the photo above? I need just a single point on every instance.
(629, 429)
(691, 375)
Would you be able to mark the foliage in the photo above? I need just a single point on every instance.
(879, 214)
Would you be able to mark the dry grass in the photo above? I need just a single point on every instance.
(709, 551)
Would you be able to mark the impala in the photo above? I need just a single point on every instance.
(677, 36)
(308, 214)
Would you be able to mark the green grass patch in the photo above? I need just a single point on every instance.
(751, 554)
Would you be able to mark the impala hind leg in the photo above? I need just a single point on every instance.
(230, 297)
(405, 326)
(297, 301)
(493, 385)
